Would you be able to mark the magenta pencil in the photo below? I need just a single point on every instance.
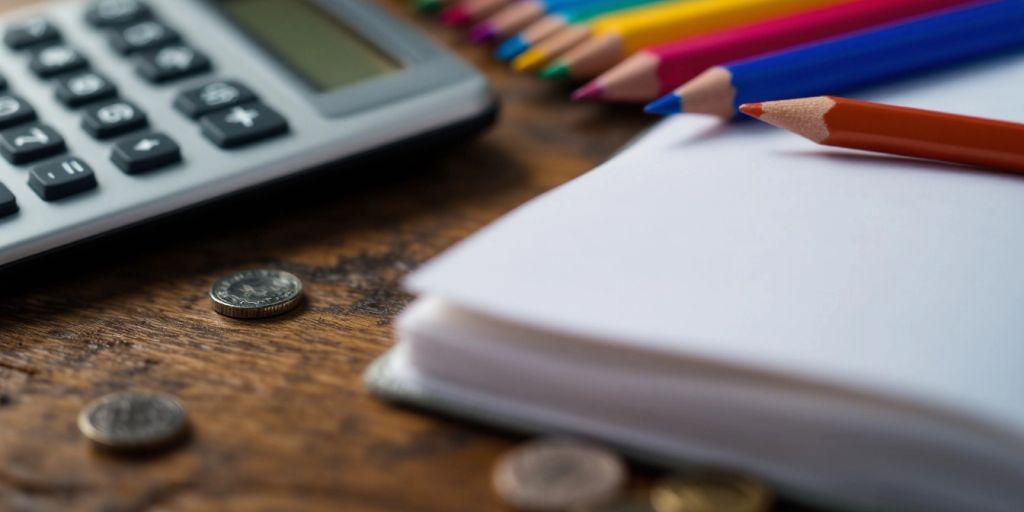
(655, 71)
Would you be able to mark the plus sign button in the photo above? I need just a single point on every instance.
(243, 124)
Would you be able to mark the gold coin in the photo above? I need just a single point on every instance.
(711, 491)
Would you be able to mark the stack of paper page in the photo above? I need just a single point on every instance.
(849, 326)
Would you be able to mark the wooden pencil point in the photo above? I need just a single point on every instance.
(804, 117)
(711, 93)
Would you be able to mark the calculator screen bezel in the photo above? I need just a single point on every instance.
(422, 65)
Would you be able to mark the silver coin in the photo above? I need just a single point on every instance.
(133, 421)
(256, 294)
(556, 475)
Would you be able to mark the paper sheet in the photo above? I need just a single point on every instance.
(746, 244)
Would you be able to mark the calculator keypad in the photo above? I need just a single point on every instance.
(57, 59)
(227, 112)
(61, 178)
(79, 89)
(31, 33)
(14, 111)
(113, 13)
(144, 153)
(8, 204)
(26, 144)
(145, 35)
(212, 97)
(113, 118)
(243, 124)
(172, 63)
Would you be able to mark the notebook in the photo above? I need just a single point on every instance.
(845, 325)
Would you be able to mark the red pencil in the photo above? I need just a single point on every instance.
(658, 70)
(895, 130)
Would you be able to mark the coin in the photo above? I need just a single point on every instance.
(557, 474)
(133, 421)
(627, 503)
(256, 294)
(711, 491)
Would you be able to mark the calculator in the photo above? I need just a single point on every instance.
(113, 112)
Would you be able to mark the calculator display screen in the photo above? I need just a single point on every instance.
(311, 41)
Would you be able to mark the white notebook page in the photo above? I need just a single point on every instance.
(747, 244)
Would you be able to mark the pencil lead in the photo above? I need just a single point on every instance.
(665, 106)
(454, 15)
(531, 60)
(482, 33)
(511, 48)
(592, 91)
(556, 71)
(755, 110)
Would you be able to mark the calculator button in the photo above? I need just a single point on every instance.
(30, 33)
(212, 97)
(147, 152)
(242, 125)
(8, 204)
(171, 63)
(142, 36)
(26, 144)
(14, 111)
(113, 118)
(78, 89)
(61, 178)
(54, 60)
(112, 13)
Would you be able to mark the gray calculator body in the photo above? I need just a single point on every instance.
(425, 90)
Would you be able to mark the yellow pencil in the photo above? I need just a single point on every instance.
(615, 38)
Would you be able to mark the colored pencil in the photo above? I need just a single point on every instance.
(618, 37)
(516, 16)
(895, 130)
(655, 71)
(469, 11)
(856, 60)
(556, 21)
(543, 53)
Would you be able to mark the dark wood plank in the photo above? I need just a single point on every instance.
(281, 419)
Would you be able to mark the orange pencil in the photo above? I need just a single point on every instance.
(846, 123)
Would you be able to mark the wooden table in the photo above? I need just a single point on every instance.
(281, 420)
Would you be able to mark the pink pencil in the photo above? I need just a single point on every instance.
(655, 71)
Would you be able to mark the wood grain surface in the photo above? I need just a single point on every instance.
(281, 420)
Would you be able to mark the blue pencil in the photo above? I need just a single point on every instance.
(866, 58)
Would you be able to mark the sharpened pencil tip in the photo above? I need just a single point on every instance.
(665, 106)
(752, 109)
(556, 71)
(531, 60)
(482, 33)
(454, 15)
(589, 92)
(511, 48)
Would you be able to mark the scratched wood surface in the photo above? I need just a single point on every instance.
(281, 421)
